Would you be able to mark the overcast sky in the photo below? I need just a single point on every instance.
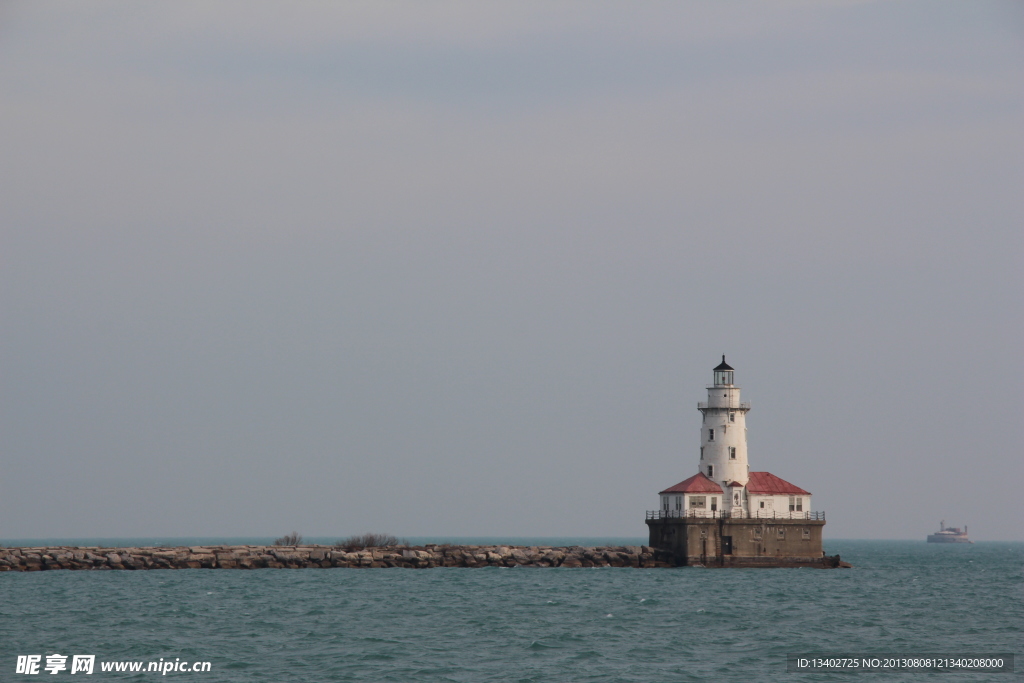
(464, 268)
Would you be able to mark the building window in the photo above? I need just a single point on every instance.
(664, 502)
(782, 532)
(762, 505)
(679, 502)
(735, 499)
(711, 435)
(792, 503)
(711, 470)
(714, 503)
(799, 504)
(701, 452)
(732, 452)
(806, 534)
(796, 504)
(732, 417)
(698, 502)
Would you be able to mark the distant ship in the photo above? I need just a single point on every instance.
(949, 534)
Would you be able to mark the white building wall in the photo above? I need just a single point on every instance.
(777, 506)
(711, 500)
(672, 502)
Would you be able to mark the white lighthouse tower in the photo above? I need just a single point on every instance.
(724, 486)
(723, 440)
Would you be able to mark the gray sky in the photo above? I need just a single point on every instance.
(464, 269)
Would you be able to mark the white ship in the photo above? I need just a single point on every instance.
(951, 534)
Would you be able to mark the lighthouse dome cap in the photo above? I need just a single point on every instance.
(723, 365)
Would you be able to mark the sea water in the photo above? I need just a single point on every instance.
(527, 624)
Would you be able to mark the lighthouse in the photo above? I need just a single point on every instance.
(723, 442)
(725, 511)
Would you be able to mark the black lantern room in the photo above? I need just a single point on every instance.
(723, 374)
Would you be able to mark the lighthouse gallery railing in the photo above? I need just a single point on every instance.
(742, 405)
(723, 514)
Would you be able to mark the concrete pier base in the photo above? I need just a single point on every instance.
(742, 542)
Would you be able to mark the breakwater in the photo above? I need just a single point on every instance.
(318, 556)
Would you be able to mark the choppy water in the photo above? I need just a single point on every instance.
(527, 624)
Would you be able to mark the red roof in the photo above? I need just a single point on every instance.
(766, 482)
(735, 483)
(698, 483)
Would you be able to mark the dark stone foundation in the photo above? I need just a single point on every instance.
(742, 542)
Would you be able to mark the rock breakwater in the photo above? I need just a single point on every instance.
(317, 556)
